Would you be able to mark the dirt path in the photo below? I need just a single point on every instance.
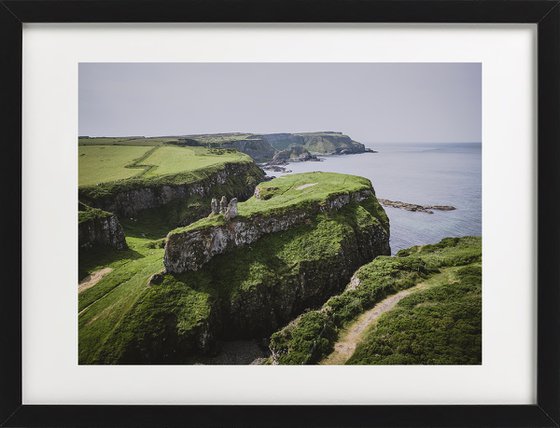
(351, 336)
(305, 186)
(92, 279)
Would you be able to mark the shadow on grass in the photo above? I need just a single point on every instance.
(92, 259)
(155, 223)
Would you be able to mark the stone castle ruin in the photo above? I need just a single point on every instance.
(229, 210)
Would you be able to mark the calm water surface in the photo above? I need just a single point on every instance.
(425, 174)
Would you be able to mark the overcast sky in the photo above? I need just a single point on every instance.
(368, 101)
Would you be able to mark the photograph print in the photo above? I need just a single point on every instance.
(280, 213)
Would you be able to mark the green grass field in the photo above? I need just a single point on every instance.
(98, 164)
(169, 160)
(109, 163)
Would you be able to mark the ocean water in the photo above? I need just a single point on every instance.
(425, 174)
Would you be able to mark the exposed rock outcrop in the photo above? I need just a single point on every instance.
(99, 228)
(293, 154)
(331, 143)
(428, 209)
(231, 211)
(129, 197)
(327, 225)
(259, 149)
(189, 250)
(259, 310)
(223, 205)
(214, 206)
(263, 147)
(317, 143)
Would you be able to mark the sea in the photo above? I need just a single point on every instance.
(419, 173)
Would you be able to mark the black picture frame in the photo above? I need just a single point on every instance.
(544, 13)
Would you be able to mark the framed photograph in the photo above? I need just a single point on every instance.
(281, 214)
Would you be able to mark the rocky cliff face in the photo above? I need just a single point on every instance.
(293, 154)
(189, 250)
(283, 141)
(100, 228)
(290, 248)
(332, 143)
(259, 149)
(263, 147)
(273, 302)
(317, 143)
(132, 196)
(254, 289)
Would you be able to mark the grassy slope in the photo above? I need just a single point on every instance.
(135, 316)
(284, 193)
(106, 164)
(108, 301)
(441, 325)
(122, 310)
(312, 336)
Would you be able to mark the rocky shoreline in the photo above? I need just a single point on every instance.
(428, 209)
(282, 159)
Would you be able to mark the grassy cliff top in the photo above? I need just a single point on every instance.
(286, 192)
(87, 213)
(449, 310)
(105, 163)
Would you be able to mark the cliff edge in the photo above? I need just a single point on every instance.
(290, 247)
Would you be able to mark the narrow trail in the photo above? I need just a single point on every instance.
(92, 279)
(352, 335)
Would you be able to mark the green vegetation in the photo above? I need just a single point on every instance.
(251, 291)
(448, 252)
(103, 306)
(119, 168)
(99, 164)
(165, 324)
(217, 139)
(170, 315)
(441, 325)
(108, 164)
(311, 337)
(109, 189)
(306, 191)
(87, 213)
(126, 141)
(173, 160)
(248, 292)
(261, 147)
